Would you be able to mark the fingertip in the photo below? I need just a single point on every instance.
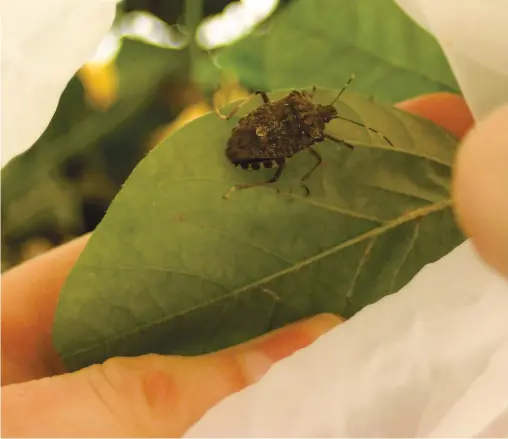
(480, 188)
(256, 356)
(245, 364)
(288, 339)
(480, 183)
(445, 109)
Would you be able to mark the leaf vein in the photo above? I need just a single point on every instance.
(276, 303)
(397, 115)
(167, 270)
(332, 208)
(415, 214)
(361, 264)
(411, 216)
(406, 254)
(399, 192)
(243, 241)
(376, 145)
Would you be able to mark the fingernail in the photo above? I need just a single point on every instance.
(446, 109)
(261, 353)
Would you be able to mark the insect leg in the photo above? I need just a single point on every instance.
(342, 142)
(366, 127)
(240, 104)
(276, 176)
(319, 160)
(263, 95)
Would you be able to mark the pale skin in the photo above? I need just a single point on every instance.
(164, 395)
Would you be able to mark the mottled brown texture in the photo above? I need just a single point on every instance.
(277, 130)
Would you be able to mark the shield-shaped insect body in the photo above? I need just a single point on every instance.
(276, 130)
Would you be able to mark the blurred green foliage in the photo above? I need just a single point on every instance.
(63, 185)
(323, 42)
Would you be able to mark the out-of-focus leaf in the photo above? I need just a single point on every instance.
(174, 268)
(323, 41)
(101, 84)
(229, 91)
(79, 132)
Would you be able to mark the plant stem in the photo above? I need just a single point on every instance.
(193, 15)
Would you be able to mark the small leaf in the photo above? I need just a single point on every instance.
(174, 268)
(323, 42)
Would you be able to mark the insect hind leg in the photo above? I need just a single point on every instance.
(240, 104)
(275, 177)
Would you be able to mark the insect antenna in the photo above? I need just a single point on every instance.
(350, 80)
(364, 126)
(352, 121)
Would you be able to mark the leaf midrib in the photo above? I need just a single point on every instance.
(413, 215)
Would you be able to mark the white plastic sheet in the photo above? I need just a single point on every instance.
(43, 43)
(430, 360)
(473, 35)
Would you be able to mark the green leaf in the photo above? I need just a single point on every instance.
(175, 268)
(323, 41)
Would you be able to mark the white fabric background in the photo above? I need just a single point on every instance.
(43, 43)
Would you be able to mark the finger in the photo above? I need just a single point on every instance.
(445, 109)
(149, 396)
(481, 188)
(480, 184)
(29, 297)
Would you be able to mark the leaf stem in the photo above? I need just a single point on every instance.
(193, 14)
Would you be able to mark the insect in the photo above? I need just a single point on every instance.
(277, 130)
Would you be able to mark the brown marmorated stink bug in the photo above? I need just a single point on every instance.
(277, 130)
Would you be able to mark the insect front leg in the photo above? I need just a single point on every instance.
(276, 176)
(240, 104)
(319, 160)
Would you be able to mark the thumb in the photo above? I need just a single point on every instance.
(481, 188)
(147, 396)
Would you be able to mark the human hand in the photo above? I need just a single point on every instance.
(147, 396)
